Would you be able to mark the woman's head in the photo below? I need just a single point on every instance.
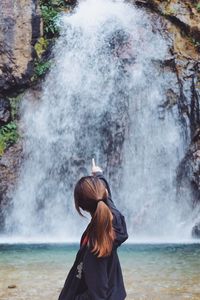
(87, 193)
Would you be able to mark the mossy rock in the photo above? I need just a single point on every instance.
(41, 46)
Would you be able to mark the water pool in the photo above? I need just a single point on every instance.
(152, 272)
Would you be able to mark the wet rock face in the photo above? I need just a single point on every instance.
(196, 231)
(9, 168)
(5, 111)
(187, 67)
(181, 20)
(19, 30)
(182, 13)
(20, 27)
(188, 173)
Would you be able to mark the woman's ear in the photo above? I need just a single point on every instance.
(107, 193)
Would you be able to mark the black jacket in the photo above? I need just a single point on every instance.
(93, 278)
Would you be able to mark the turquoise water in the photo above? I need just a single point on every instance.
(153, 272)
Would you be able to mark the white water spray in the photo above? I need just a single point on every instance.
(104, 96)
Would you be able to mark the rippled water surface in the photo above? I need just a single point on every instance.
(153, 272)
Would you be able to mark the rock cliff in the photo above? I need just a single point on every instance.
(181, 20)
(20, 27)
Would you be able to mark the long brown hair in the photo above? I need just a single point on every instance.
(87, 193)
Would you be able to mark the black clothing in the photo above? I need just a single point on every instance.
(93, 278)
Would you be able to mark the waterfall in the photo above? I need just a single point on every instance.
(105, 97)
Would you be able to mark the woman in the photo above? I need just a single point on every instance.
(96, 273)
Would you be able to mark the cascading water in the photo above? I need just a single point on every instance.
(103, 97)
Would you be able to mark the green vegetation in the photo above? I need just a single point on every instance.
(8, 136)
(41, 46)
(198, 7)
(49, 15)
(41, 67)
(50, 10)
(9, 132)
(15, 102)
(170, 11)
(195, 42)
